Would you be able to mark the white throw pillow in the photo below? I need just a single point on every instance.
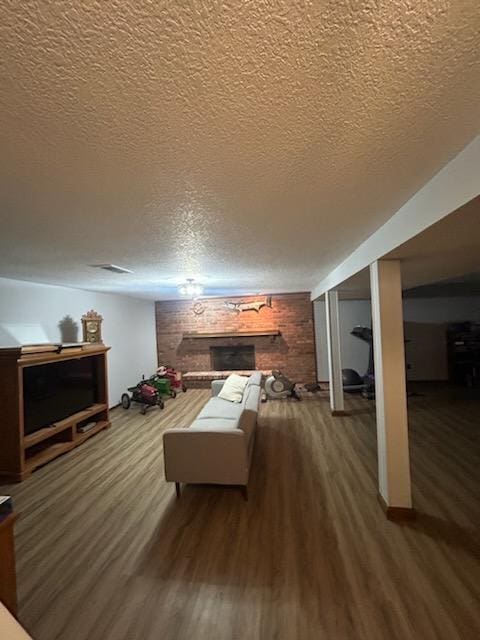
(233, 388)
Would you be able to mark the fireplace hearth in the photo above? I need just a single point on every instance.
(233, 358)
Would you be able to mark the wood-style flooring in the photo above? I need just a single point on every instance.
(106, 552)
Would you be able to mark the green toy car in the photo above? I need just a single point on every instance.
(162, 385)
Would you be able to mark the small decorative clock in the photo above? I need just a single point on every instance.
(92, 327)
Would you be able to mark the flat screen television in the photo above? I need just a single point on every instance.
(56, 390)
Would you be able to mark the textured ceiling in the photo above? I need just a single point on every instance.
(443, 260)
(253, 144)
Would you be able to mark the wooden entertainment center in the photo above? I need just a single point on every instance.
(21, 453)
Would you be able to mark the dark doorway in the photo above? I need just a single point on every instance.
(233, 358)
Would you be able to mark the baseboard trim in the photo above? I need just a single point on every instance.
(396, 514)
(337, 413)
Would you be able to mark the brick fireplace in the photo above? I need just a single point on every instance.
(235, 357)
(282, 335)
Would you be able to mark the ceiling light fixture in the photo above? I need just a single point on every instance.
(190, 288)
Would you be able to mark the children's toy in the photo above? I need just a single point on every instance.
(162, 385)
(175, 377)
(144, 394)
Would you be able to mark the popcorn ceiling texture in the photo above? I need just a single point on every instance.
(252, 143)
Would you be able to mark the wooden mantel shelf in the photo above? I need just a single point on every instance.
(233, 334)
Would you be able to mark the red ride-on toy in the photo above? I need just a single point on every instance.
(144, 394)
(175, 377)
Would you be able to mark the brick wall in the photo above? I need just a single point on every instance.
(292, 314)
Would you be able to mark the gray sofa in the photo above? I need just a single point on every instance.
(217, 447)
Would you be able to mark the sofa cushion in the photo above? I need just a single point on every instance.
(213, 424)
(233, 388)
(218, 408)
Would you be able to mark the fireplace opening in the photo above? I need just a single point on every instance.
(233, 358)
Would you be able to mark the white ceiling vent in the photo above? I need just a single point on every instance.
(111, 267)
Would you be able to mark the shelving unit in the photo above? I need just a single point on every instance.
(463, 344)
(21, 454)
(44, 455)
(81, 437)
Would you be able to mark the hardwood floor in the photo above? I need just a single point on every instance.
(106, 552)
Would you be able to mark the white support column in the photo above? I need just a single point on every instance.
(334, 357)
(390, 389)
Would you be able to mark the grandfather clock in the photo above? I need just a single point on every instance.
(92, 327)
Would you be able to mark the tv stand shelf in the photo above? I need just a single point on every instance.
(43, 434)
(21, 454)
(63, 425)
(81, 437)
(46, 454)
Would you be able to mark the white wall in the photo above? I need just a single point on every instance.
(438, 310)
(426, 326)
(426, 353)
(128, 325)
(354, 351)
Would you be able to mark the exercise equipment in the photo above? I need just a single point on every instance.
(278, 386)
(352, 381)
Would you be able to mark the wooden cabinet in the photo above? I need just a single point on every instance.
(8, 580)
(21, 453)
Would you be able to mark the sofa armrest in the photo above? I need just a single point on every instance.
(217, 386)
(217, 456)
